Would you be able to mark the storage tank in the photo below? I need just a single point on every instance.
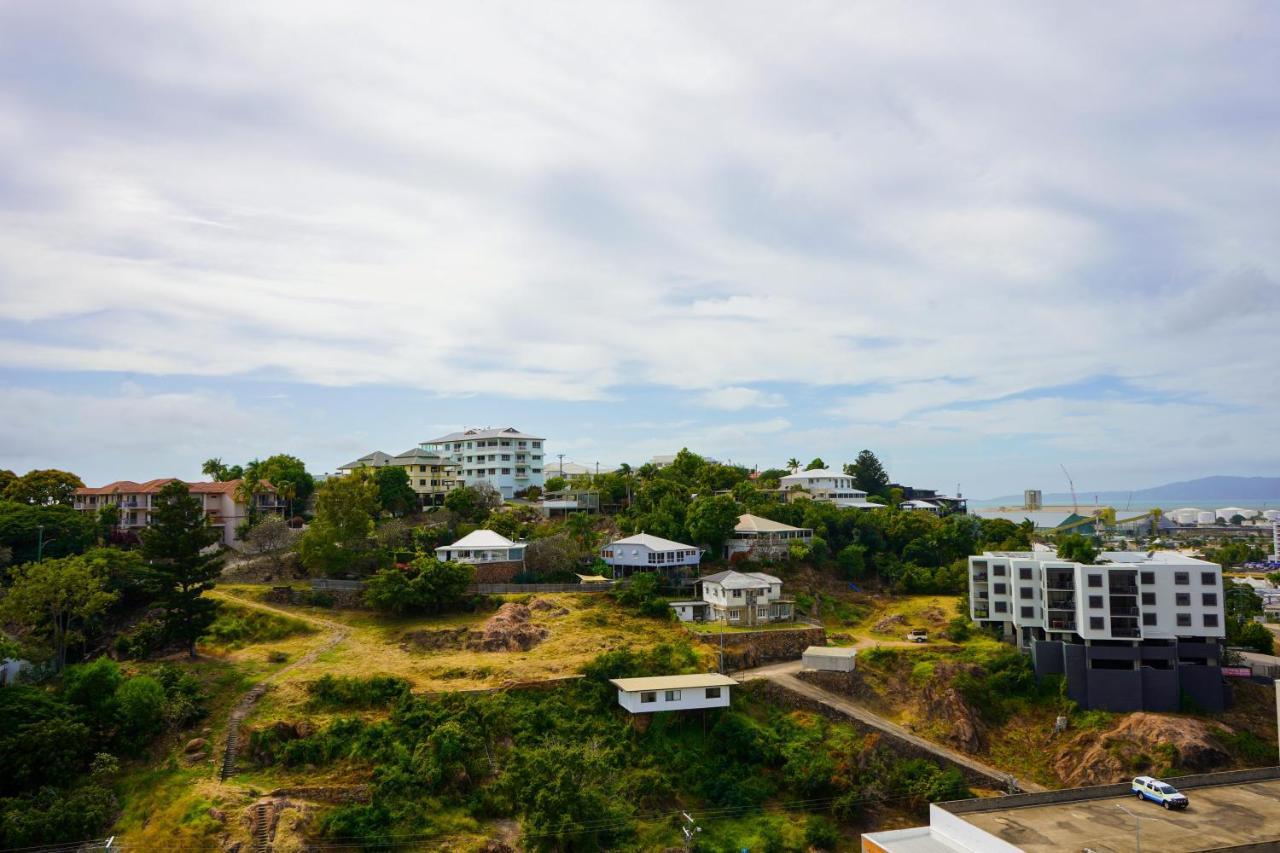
(1206, 518)
(1186, 515)
(1228, 512)
(1271, 514)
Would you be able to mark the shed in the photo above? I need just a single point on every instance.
(674, 692)
(690, 611)
(829, 658)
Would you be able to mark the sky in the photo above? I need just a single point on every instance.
(984, 240)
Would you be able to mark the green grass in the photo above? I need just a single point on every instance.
(237, 627)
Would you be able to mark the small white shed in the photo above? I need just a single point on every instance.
(674, 692)
(690, 611)
(829, 658)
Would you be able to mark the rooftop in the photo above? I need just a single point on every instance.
(672, 682)
(481, 539)
(731, 579)
(755, 524)
(832, 651)
(376, 459)
(129, 487)
(470, 434)
(654, 543)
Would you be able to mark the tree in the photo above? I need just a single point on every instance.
(271, 536)
(868, 474)
(793, 464)
(428, 586)
(281, 470)
(250, 486)
(179, 570)
(44, 487)
(215, 469)
(473, 503)
(395, 492)
(552, 555)
(56, 596)
(581, 527)
(1077, 548)
(555, 484)
(816, 465)
(341, 534)
(108, 521)
(65, 531)
(711, 521)
(141, 700)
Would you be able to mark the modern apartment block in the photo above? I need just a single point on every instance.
(507, 459)
(432, 475)
(138, 500)
(1136, 631)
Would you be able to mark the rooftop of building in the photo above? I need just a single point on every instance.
(487, 432)
(731, 579)
(148, 487)
(673, 682)
(415, 454)
(481, 539)
(749, 523)
(376, 459)
(818, 474)
(653, 543)
(1111, 558)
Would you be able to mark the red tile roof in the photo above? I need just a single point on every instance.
(129, 487)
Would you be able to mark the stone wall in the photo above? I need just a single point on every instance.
(497, 572)
(747, 649)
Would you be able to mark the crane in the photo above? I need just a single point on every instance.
(1075, 504)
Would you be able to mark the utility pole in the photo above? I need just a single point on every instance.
(561, 455)
(40, 540)
(690, 828)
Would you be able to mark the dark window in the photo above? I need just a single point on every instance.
(1028, 612)
(1024, 573)
(1148, 598)
(1001, 589)
(1182, 599)
(1148, 577)
(1182, 578)
(1001, 607)
(1209, 599)
(713, 692)
(1095, 601)
(1184, 620)
(1026, 592)
(1148, 619)
(1097, 623)
(1095, 580)
(1211, 620)
(997, 570)
(1209, 578)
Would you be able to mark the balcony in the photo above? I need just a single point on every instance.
(982, 595)
(1125, 632)
(1123, 589)
(980, 577)
(1124, 611)
(1061, 624)
(981, 614)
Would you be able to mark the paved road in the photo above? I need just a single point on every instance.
(784, 675)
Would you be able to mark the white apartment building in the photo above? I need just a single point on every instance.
(505, 458)
(137, 501)
(823, 484)
(645, 553)
(1132, 632)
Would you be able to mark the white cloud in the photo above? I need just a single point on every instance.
(734, 398)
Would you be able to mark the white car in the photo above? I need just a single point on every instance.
(1147, 788)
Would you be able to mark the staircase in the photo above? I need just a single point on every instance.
(233, 728)
(262, 828)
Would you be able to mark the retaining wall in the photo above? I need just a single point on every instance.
(747, 649)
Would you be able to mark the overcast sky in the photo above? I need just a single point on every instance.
(983, 240)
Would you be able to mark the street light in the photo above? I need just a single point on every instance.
(1137, 824)
(40, 540)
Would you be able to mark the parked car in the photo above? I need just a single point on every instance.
(1147, 788)
(918, 635)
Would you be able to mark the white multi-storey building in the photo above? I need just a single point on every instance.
(1135, 630)
(506, 458)
(823, 484)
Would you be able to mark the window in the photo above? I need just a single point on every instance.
(1209, 578)
(737, 593)
(1026, 592)
(1095, 602)
(648, 696)
(735, 615)
(1001, 607)
(1148, 578)
(1184, 620)
(1024, 573)
(1209, 599)
(1095, 580)
(1028, 612)
(762, 612)
(1149, 598)
(997, 570)
(1211, 620)
(1097, 623)
(1182, 578)
(713, 692)
(1148, 619)
(672, 696)
(1182, 599)
(422, 482)
(1001, 589)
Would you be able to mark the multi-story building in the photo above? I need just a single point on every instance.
(765, 539)
(823, 484)
(1137, 630)
(432, 475)
(746, 598)
(507, 459)
(645, 553)
(137, 502)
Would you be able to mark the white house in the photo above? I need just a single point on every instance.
(823, 484)
(482, 546)
(764, 538)
(923, 506)
(645, 553)
(674, 692)
(745, 598)
(506, 458)
(829, 658)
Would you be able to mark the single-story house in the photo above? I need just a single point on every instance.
(496, 558)
(645, 553)
(829, 658)
(764, 538)
(674, 692)
(745, 598)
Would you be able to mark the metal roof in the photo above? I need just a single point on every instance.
(481, 539)
(653, 543)
(748, 523)
(730, 579)
(672, 682)
(468, 435)
(831, 651)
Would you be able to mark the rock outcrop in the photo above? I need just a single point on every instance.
(1140, 743)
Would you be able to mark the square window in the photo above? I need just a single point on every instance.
(672, 696)
(1211, 620)
(997, 570)
(1182, 599)
(713, 692)
(1209, 578)
(1001, 589)
(1182, 578)
(648, 696)
(1148, 578)
(1028, 612)
(1095, 580)
(1209, 599)
(1026, 592)
(1095, 602)
(1148, 619)
(1097, 623)
(1184, 620)
(1001, 607)
(1024, 573)
(1149, 598)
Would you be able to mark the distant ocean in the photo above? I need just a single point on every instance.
(1137, 507)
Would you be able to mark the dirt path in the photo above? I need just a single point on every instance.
(783, 675)
(337, 633)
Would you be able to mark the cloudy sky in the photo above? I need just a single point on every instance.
(982, 239)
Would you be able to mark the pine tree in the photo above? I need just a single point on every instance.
(868, 474)
(179, 571)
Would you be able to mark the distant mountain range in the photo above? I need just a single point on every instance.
(1207, 489)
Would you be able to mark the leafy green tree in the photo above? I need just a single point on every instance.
(6, 477)
(852, 561)
(108, 521)
(215, 469)
(816, 465)
(141, 701)
(428, 586)
(44, 487)
(1077, 548)
(395, 493)
(65, 531)
(868, 474)
(793, 464)
(56, 598)
(711, 520)
(282, 469)
(581, 527)
(555, 484)
(642, 593)
(564, 793)
(340, 537)
(180, 570)
(473, 503)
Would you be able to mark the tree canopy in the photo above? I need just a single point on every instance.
(41, 487)
(179, 569)
(868, 474)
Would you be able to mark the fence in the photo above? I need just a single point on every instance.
(499, 588)
(319, 584)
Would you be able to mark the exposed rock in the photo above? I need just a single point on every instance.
(439, 640)
(217, 814)
(541, 605)
(509, 630)
(1141, 742)
(196, 744)
(192, 758)
(889, 623)
(933, 615)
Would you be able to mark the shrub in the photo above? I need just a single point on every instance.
(347, 693)
(428, 586)
(821, 834)
(958, 630)
(143, 640)
(237, 627)
(142, 705)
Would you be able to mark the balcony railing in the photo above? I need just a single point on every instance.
(1125, 632)
(1062, 624)
(1123, 589)
(1124, 611)
(981, 614)
(1062, 585)
(981, 577)
(1068, 604)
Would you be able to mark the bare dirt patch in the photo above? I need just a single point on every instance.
(1141, 742)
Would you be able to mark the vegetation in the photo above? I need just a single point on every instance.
(65, 531)
(52, 600)
(340, 538)
(40, 488)
(180, 570)
(1077, 548)
(427, 585)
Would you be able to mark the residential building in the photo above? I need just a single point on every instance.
(823, 484)
(944, 503)
(1136, 631)
(431, 475)
(569, 470)
(565, 501)
(745, 598)
(922, 506)
(645, 553)
(376, 459)
(1231, 810)
(137, 501)
(506, 458)
(496, 558)
(765, 539)
(829, 658)
(674, 692)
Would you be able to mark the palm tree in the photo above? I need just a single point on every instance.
(249, 488)
(288, 492)
(793, 463)
(214, 468)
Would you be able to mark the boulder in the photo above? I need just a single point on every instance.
(888, 624)
(1140, 743)
(196, 744)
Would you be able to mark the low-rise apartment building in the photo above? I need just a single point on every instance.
(1135, 631)
(137, 501)
(823, 484)
(432, 475)
(507, 459)
(746, 598)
